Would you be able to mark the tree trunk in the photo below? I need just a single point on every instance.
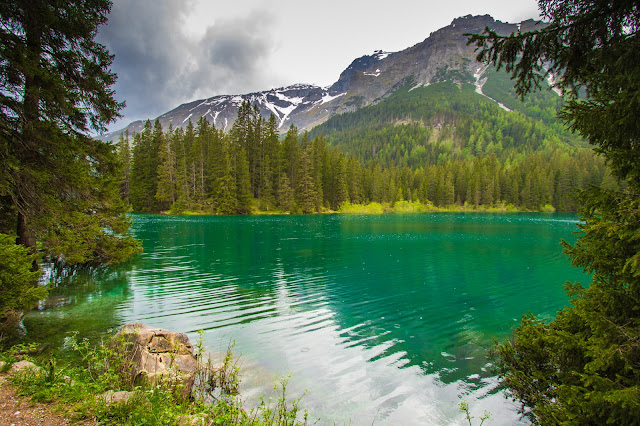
(26, 238)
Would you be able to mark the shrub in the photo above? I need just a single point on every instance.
(19, 290)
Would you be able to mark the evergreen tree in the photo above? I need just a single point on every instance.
(224, 184)
(182, 185)
(354, 179)
(243, 183)
(17, 290)
(199, 156)
(272, 151)
(191, 162)
(341, 188)
(306, 192)
(167, 174)
(583, 366)
(144, 173)
(58, 184)
(318, 154)
(266, 185)
(290, 154)
(124, 157)
(285, 194)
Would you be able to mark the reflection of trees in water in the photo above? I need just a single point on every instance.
(82, 299)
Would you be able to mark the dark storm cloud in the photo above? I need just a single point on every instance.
(159, 67)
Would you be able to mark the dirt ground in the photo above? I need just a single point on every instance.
(19, 411)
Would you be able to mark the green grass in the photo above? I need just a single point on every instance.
(419, 207)
(74, 388)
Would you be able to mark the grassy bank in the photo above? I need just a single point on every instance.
(418, 207)
(397, 207)
(78, 389)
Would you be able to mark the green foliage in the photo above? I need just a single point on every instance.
(428, 139)
(59, 184)
(371, 208)
(19, 289)
(284, 412)
(583, 367)
(464, 407)
(76, 389)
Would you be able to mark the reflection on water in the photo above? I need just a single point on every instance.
(380, 317)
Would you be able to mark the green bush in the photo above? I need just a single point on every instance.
(19, 290)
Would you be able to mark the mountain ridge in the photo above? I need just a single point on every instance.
(443, 55)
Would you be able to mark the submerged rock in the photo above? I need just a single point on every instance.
(159, 356)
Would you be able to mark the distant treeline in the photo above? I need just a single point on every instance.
(202, 169)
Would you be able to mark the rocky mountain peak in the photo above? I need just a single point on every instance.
(444, 55)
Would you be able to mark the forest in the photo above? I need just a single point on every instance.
(443, 145)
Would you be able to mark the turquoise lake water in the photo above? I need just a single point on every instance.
(384, 318)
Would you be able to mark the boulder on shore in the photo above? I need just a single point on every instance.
(22, 366)
(111, 397)
(159, 355)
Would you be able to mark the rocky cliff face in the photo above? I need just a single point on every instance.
(444, 55)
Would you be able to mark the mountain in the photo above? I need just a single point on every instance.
(443, 56)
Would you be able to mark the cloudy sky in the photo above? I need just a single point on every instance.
(168, 52)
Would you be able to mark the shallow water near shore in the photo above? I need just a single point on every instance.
(384, 318)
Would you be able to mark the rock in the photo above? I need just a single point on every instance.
(193, 421)
(68, 380)
(159, 355)
(24, 366)
(111, 397)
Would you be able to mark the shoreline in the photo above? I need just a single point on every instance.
(375, 208)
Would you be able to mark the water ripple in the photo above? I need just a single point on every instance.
(374, 314)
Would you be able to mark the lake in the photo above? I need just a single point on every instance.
(382, 318)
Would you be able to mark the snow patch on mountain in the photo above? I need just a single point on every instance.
(285, 113)
(380, 55)
(284, 97)
(481, 81)
(373, 74)
(478, 77)
(328, 98)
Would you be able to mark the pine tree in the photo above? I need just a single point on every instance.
(56, 91)
(182, 185)
(167, 175)
(319, 154)
(306, 192)
(583, 366)
(243, 183)
(199, 156)
(285, 194)
(290, 155)
(224, 183)
(272, 150)
(354, 178)
(191, 162)
(124, 157)
(266, 185)
(143, 171)
(341, 188)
